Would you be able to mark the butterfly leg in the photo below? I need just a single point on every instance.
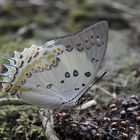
(47, 116)
(78, 113)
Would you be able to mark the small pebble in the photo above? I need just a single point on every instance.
(107, 119)
(122, 123)
(131, 128)
(125, 135)
(112, 106)
(123, 112)
(138, 118)
(114, 124)
(113, 110)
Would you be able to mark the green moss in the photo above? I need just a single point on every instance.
(41, 20)
(20, 123)
(72, 27)
(79, 13)
(12, 24)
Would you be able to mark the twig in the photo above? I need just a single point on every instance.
(124, 8)
(0, 67)
(87, 105)
(24, 30)
(104, 91)
(11, 101)
(136, 136)
(48, 124)
(129, 15)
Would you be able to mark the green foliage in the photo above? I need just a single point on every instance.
(21, 123)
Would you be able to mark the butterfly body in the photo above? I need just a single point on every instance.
(58, 73)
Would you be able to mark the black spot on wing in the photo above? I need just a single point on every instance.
(62, 81)
(67, 74)
(87, 74)
(93, 59)
(96, 60)
(38, 85)
(83, 84)
(49, 86)
(75, 73)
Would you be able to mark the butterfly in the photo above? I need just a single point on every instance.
(59, 72)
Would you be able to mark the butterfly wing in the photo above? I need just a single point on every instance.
(95, 42)
(61, 70)
(81, 59)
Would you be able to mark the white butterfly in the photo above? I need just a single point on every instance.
(58, 73)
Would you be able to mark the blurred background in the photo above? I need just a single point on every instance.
(27, 22)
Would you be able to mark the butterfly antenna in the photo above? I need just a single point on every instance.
(91, 85)
(97, 80)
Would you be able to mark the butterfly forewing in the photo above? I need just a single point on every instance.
(97, 41)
